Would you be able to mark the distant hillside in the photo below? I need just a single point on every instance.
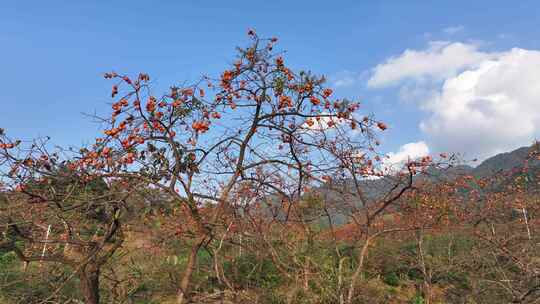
(502, 162)
(509, 164)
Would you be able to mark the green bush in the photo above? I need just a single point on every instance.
(391, 279)
(249, 271)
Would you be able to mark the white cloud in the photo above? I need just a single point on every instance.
(441, 60)
(410, 151)
(477, 102)
(394, 162)
(489, 109)
(453, 29)
(322, 123)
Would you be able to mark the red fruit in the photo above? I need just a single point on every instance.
(327, 93)
(114, 91)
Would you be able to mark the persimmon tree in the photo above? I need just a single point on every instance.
(259, 122)
(504, 211)
(58, 208)
(433, 208)
(369, 190)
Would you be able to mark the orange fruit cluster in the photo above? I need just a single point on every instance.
(151, 105)
(201, 126)
(327, 92)
(226, 79)
(285, 101)
(7, 146)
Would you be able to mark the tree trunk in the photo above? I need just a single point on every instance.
(184, 291)
(358, 271)
(291, 294)
(427, 276)
(89, 283)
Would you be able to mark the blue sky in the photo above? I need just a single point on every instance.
(54, 53)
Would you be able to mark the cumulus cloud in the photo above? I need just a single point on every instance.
(489, 109)
(394, 162)
(410, 151)
(440, 60)
(481, 103)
